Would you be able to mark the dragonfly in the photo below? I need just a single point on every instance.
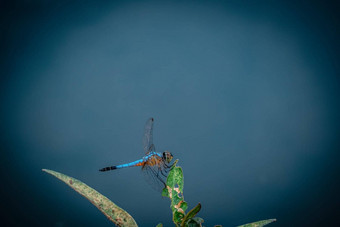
(155, 166)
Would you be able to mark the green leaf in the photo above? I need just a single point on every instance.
(258, 223)
(195, 222)
(175, 178)
(174, 190)
(165, 192)
(184, 205)
(114, 213)
(159, 225)
(191, 214)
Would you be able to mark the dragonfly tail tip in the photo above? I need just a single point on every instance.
(108, 168)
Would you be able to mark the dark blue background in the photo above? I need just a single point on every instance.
(244, 93)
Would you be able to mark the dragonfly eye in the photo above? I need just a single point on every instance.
(167, 156)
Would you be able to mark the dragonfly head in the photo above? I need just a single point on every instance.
(167, 156)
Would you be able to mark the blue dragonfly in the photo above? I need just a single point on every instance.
(155, 165)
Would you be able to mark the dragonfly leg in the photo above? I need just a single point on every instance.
(157, 175)
(160, 170)
(167, 169)
(163, 173)
(169, 166)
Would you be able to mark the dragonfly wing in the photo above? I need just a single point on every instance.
(148, 134)
(154, 169)
(155, 176)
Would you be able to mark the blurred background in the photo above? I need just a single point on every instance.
(244, 93)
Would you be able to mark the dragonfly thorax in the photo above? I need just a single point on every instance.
(167, 156)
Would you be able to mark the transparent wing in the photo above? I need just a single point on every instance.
(155, 176)
(155, 171)
(147, 137)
